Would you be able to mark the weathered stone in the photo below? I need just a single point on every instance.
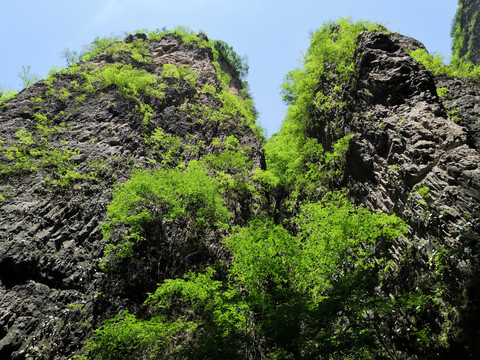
(417, 155)
(50, 237)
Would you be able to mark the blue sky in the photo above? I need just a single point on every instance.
(272, 34)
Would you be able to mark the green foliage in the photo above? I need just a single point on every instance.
(145, 112)
(330, 229)
(33, 152)
(442, 92)
(112, 46)
(238, 63)
(169, 147)
(232, 171)
(424, 192)
(464, 29)
(333, 43)
(299, 162)
(133, 82)
(214, 306)
(124, 335)
(95, 47)
(130, 81)
(27, 77)
(5, 95)
(151, 197)
(37, 99)
(264, 254)
(180, 72)
(168, 194)
(456, 68)
(278, 290)
(232, 104)
(318, 286)
(136, 50)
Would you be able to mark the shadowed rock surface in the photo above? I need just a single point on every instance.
(52, 293)
(466, 31)
(411, 156)
(64, 147)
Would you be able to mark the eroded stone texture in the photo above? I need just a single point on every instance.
(416, 155)
(52, 293)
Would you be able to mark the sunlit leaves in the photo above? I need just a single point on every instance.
(165, 195)
(456, 68)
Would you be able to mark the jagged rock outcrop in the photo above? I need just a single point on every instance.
(64, 143)
(416, 154)
(465, 31)
(170, 103)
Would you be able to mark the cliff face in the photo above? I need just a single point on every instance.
(65, 142)
(415, 154)
(466, 30)
(133, 167)
(405, 140)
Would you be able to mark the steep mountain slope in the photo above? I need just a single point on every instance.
(466, 30)
(398, 147)
(411, 157)
(135, 190)
(66, 141)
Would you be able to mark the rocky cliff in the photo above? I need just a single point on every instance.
(66, 142)
(145, 163)
(466, 30)
(412, 151)
(415, 153)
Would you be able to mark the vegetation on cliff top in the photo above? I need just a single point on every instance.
(455, 68)
(464, 30)
(35, 151)
(299, 161)
(313, 284)
(307, 287)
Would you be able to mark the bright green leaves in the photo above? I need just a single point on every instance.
(237, 62)
(180, 72)
(262, 253)
(136, 49)
(94, 48)
(163, 195)
(192, 194)
(333, 45)
(6, 94)
(456, 67)
(278, 285)
(169, 147)
(145, 112)
(233, 105)
(39, 150)
(129, 80)
(299, 161)
(292, 291)
(124, 335)
(153, 198)
(203, 318)
(464, 31)
(214, 306)
(133, 83)
(332, 234)
(335, 235)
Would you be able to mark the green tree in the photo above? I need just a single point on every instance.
(27, 77)
(150, 199)
(283, 296)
